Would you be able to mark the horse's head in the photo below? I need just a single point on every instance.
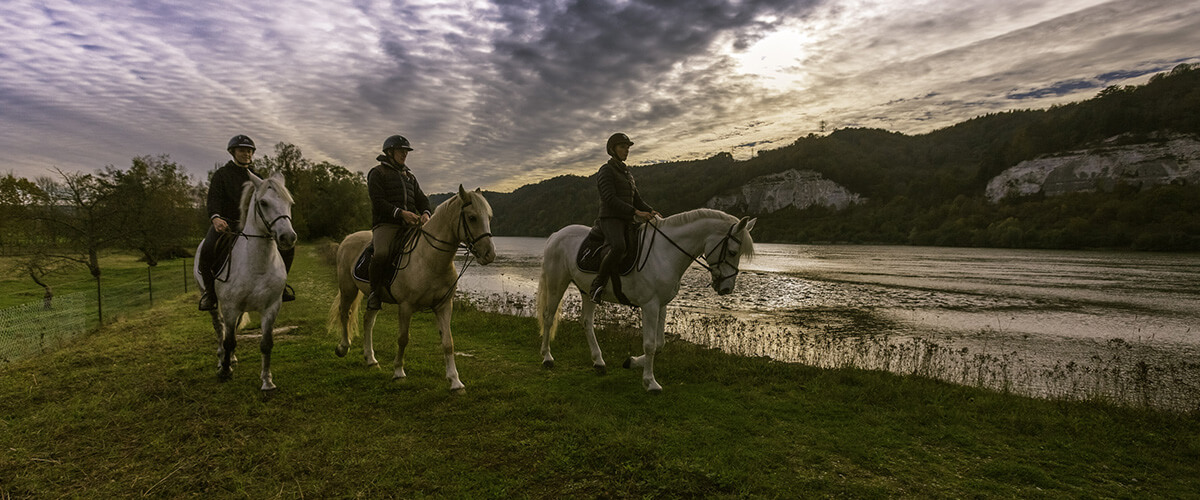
(475, 225)
(268, 206)
(726, 255)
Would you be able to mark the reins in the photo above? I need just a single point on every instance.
(467, 242)
(723, 245)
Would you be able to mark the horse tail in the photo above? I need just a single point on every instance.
(342, 314)
(547, 320)
(552, 284)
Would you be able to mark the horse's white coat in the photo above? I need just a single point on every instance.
(256, 272)
(699, 233)
(428, 278)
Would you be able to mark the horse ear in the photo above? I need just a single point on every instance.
(462, 193)
(477, 190)
(256, 180)
(746, 223)
(750, 225)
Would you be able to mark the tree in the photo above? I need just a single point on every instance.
(17, 195)
(151, 206)
(79, 220)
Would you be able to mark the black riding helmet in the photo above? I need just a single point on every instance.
(396, 141)
(239, 141)
(615, 139)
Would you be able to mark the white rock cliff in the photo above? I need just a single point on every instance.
(1100, 169)
(792, 188)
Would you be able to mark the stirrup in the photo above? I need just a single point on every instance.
(374, 301)
(597, 293)
(209, 304)
(288, 293)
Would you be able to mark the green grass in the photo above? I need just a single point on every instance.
(135, 409)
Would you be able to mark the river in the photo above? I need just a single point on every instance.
(1120, 325)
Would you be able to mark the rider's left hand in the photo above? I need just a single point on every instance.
(424, 218)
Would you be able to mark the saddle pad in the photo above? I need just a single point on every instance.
(362, 267)
(402, 244)
(589, 255)
(223, 247)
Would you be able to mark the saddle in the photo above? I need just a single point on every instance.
(591, 251)
(222, 248)
(403, 245)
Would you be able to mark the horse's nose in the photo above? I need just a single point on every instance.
(287, 240)
(487, 256)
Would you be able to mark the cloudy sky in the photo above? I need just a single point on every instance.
(498, 94)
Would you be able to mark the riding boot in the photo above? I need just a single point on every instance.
(606, 265)
(375, 299)
(208, 297)
(288, 294)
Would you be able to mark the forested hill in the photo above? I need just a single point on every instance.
(929, 189)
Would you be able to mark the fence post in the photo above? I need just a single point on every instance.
(99, 303)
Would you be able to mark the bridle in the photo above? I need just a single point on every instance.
(262, 217)
(722, 245)
(468, 240)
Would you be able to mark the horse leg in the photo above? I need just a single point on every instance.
(343, 304)
(369, 337)
(219, 328)
(651, 335)
(589, 329)
(232, 318)
(405, 317)
(443, 321)
(267, 320)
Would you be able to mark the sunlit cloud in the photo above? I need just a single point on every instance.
(497, 94)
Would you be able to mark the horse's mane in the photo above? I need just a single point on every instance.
(271, 182)
(682, 218)
(455, 203)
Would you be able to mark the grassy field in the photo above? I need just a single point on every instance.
(135, 409)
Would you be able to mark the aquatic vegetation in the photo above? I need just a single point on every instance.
(1117, 371)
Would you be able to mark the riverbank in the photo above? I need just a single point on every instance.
(135, 409)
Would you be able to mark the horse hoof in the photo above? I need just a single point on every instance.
(655, 390)
(628, 362)
(340, 351)
(601, 369)
(224, 375)
(373, 365)
(548, 364)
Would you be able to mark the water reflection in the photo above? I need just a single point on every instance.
(1064, 324)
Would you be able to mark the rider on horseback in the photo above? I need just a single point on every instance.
(396, 201)
(620, 206)
(224, 208)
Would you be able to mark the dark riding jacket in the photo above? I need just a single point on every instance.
(619, 196)
(225, 191)
(393, 188)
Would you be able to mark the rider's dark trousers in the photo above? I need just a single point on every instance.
(383, 237)
(616, 235)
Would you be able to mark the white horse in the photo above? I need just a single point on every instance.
(254, 277)
(426, 280)
(669, 247)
